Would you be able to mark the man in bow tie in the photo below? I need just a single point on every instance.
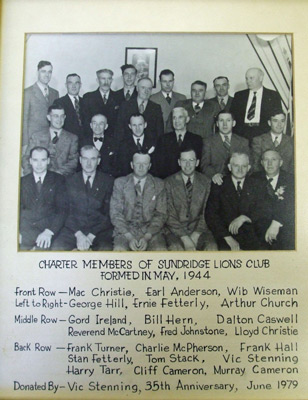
(62, 145)
(138, 208)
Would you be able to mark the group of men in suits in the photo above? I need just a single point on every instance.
(199, 147)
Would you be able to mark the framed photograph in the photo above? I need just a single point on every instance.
(145, 61)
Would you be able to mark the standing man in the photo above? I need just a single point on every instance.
(102, 101)
(103, 142)
(37, 99)
(138, 209)
(151, 111)
(167, 98)
(88, 224)
(167, 152)
(218, 148)
(129, 74)
(252, 107)
(187, 193)
(43, 203)
(274, 212)
(221, 85)
(230, 205)
(274, 140)
(73, 105)
(62, 145)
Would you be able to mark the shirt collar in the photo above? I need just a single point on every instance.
(139, 101)
(185, 178)
(274, 135)
(52, 131)
(104, 94)
(200, 104)
(37, 176)
(223, 136)
(234, 180)
(165, 94)
(274, 180)
(42, 87)
(73, 98)
(141, 138)
(85, 177)
(258, 92)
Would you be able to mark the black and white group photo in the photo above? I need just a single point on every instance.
(157, 142)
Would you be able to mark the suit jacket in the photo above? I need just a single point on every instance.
(167, 152)
(128, 148)
(270, 101)
(44, 210)
(63, 155)
(228, 105)
(215, 156)
(107, 153)
(224, 205)
(152, 115)
(285, 149)
(35, 111)
(94, 104)
(123, 202)
(120, 94)
(160, 99)
(201, 124)
(71, 123)
(183, 219)
(89, 213)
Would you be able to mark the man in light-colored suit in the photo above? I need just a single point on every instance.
(62, 145)
(217, 149)
(37, 99)
(274, 140)
(167, 98)
(201, 112)
(187, 193)
(138, 208)
(221, 85)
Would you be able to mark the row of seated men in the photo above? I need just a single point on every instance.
(138, 212)
(251, 108)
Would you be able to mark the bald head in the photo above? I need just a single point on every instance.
(254, 78)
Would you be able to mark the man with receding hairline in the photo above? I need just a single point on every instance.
(252, 107)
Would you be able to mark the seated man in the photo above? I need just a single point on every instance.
(167, 151)
(43, 203)
(88, 224)
(274, 212)
(138, 209)
(187, 193)
(274, 140)
(230, 205)
(138, 141)
(62, 145)
(103, 142)
(217, 149)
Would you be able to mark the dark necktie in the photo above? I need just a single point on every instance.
(197, 108)
(141, 108)
(139, 145)
(105, 99)
(227, 143)
(88, 184)
(252, 109)
(39, 185)
(276, 143)
(168, 98)
(55, 138)
(77, 109)
(127, 96)
(138, 189)
(189, 188)
(46, 94)
(269, 187)
(239, 188)
(180, 140)
(99, 139)
(222, 104)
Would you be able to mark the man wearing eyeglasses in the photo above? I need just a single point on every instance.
(62, 145)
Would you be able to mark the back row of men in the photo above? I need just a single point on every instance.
(89, 210)
(129, 120)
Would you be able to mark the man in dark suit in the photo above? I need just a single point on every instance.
(43, 203)
(103, 142)
(230, 205)
(201, 112)
(102, 101)
(88, 224)
(129, 74)
(168, 147)
(187, 193)
(221, 85)
(151, 111)
(62, 145)
(37, 99)
(273, 215)
(217, 149)
(167, 98)
(73, 105)
(137, 141)
(252, 107)
(274, 140)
